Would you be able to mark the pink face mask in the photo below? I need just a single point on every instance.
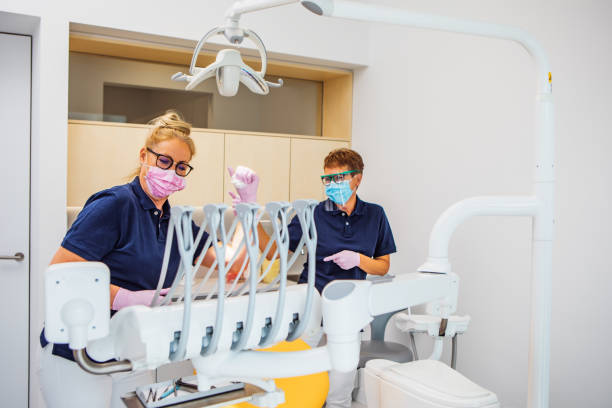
(162, 182)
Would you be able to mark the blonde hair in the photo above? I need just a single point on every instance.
(168, 126)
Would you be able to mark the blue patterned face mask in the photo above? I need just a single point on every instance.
(339, 193)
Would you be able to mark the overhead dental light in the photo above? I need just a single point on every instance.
(229, 68)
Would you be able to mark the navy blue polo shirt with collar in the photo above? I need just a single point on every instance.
(366, 231)
(122, 228)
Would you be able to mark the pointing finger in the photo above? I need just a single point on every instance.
(330, 258)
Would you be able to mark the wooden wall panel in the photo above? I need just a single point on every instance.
(338, 107)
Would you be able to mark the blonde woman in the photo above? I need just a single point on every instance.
(126, 228)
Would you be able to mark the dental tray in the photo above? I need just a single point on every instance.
(145, 393)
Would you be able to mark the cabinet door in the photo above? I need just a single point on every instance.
(104, 155)
(205, 182)
(268, 156)
(307, 167)
(100, 156)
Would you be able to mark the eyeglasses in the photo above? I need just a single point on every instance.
(165, 162)
(336, 177)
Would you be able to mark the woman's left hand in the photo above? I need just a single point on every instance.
(345, 259)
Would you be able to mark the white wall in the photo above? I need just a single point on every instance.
(189, 20)
(193, 18)
(442, 117)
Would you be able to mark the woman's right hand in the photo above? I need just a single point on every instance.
(246, 182)
(125, 297)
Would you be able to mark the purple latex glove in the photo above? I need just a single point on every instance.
(246, 182)
(125, 297)
(344, 259)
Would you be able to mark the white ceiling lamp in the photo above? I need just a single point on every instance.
(229, 68)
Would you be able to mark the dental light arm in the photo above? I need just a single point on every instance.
(372, 12)
(540, 206)
(241, 7)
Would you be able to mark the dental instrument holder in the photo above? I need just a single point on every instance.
(185, 242)
(214, 214)
(249, 218)
(305, 212)
(277, 212)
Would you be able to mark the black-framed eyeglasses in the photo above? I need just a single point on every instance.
(165, 162)
(326, 179)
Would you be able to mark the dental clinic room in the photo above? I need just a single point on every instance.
(306, 204)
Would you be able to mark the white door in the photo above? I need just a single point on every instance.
(15, 80)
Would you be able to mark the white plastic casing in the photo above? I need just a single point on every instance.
(77, 303)
(431, 324)
(143, 335)
(228, 74)
(345, 312)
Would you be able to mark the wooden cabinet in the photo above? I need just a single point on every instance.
(205, 182)
(269, 156)
(102, 155)
(307, 166)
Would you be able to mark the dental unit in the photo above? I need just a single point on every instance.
(219, 330)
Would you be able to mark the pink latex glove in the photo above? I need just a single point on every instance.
(344, 259)
(246, 182)
(126, 297)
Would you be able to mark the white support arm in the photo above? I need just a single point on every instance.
(246, 6)
(458, 213)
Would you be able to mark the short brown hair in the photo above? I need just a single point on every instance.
(344, 157)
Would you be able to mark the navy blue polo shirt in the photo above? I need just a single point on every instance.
(122, 228)
(366, 231)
